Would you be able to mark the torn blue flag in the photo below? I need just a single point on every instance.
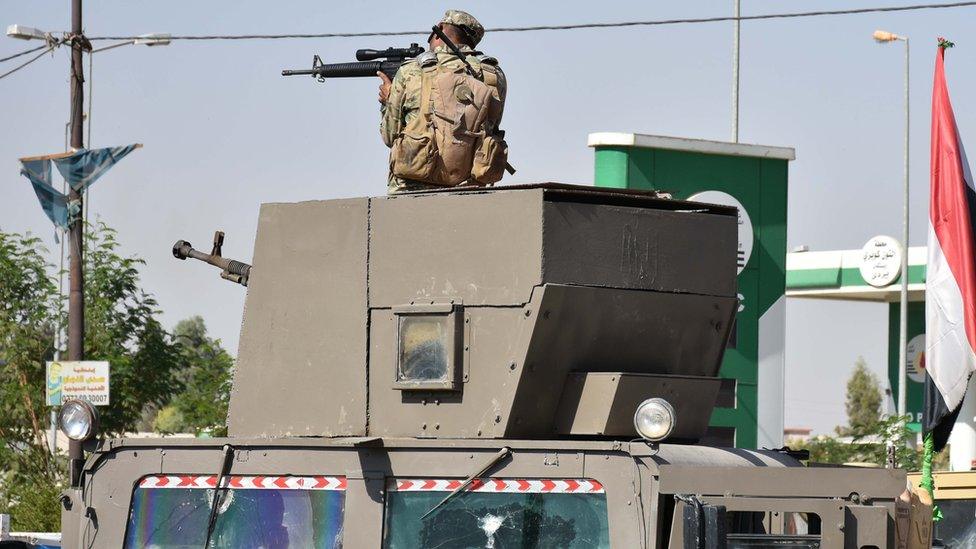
(53, 202)
(80, 169)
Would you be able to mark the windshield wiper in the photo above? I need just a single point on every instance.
(215, 504)
(492, 461)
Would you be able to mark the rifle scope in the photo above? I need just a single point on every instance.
(368, 55)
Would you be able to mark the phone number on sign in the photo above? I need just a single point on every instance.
(97, 400)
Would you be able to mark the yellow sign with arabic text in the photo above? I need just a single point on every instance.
(85, 380)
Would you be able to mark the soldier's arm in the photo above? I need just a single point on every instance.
(391, 122)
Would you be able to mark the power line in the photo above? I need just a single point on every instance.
(25, 52)
(619, 24)
(22, 65)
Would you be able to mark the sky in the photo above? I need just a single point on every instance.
(224, 132)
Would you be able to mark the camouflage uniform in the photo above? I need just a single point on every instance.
(403, 104)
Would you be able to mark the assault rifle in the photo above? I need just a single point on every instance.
(371, 62)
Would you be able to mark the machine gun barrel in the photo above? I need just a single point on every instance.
(231, 269)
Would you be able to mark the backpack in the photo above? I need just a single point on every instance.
(455, 138)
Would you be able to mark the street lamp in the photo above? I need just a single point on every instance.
(153, 39)
(21, 32)
(885, 37)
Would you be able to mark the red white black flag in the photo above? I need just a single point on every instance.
(950, 286)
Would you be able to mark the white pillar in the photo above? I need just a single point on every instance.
(962, 441)
(772, 376)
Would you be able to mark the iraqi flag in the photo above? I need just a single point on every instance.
(950, 290)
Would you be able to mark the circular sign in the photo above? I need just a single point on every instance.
(915, 368)
(881, 261)
(745, 224)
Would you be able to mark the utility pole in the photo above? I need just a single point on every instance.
(76, 291)
(735, 73)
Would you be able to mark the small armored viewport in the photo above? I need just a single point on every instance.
(515, 312)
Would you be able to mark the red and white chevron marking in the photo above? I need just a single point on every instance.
(244, 482)
(498, 485)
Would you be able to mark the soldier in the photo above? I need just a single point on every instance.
(479, 155)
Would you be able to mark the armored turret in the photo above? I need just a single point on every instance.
(516, 312)
(471, 368)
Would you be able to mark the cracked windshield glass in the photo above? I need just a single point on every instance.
(526, 519)
(249, 518)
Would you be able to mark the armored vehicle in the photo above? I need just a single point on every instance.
(518, 367)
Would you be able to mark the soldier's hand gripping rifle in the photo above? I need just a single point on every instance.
(387, 61)
(232, 270)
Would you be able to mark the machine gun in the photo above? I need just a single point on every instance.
(371, 62)
(233, 270)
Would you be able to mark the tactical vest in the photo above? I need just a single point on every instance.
(455, 138)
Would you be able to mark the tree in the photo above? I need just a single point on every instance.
(169, 420)
(121, 327)
(863, 402)
(868, 436)
(30, 311)
(203, 404)
(869, 447)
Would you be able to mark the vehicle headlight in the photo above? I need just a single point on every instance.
(654, 419)
(78, 420)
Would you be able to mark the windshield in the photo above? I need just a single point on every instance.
(958, 525)
(170, 512)
(497, 513)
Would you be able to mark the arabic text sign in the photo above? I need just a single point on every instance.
(85, 380)
(881, 261)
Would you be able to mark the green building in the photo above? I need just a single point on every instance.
(753, 178)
